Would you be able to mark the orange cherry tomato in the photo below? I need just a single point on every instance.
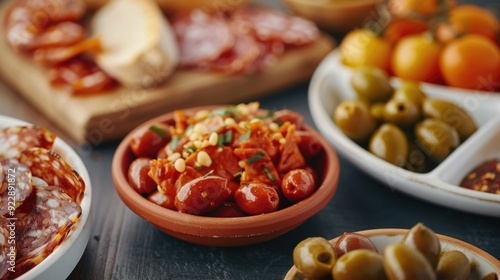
(416, 58)
(362, 47)
(471, 62)
(402, 27)
(423, 7)
(474, 19)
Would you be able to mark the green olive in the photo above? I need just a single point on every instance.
(417, 160)
(314, 257)
(410, 91)
(453, 265)
(377, 111)
(389, 143)
(424, 240)
(360, 264)
(354, 120)
(371, 83)
(436, 138)
(451, 114)
(402, 112)
(404, 263)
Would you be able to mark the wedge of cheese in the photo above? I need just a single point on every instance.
(139, 48)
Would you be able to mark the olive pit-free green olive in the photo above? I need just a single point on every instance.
(402, 112)
(389, 143)
(450, 114)
(453, 265)
(371, 83)
(314, 257)
(377, 110)
(404, 263)
(436, 138)
(424, 240)
(354, 120)
(410, 91)
(360, 264)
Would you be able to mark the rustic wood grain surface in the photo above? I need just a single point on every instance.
(124, 246)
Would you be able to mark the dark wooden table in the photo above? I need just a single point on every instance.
(124, 246)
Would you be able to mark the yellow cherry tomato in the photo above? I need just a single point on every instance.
(362, 47)
(416, 58)
(472, 62)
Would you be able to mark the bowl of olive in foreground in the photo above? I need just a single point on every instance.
(416, 253)
(424, 151)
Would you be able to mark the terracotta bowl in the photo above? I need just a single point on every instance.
(215, 231)
(337, 16)
(483, 262)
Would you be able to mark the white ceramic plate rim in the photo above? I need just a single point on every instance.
(419, 185)
(61, 262)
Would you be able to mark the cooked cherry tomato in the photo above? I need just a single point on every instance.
(362, 47)
(147, 142)
(298, 184)
(471, 62)
(162, 199)
(202, 195)
(257, 198)
(228, 209)
(350, 241)
(138, 176)
(416, 58)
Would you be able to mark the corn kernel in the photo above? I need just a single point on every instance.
(213, 139)
(229, 121)
(255, 120)
(180, 165)
(205, 144)
(277, 136)
(243, 109)
(201, 129)
(204, 159)
(198, 144)
(202, 114)
(173, 157)
(274, 126)
(241, 164)
(194, 136)
(282, 141)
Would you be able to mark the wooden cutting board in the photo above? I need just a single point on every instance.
(100, 118)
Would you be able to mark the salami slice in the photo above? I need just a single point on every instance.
(269, 53)
(272, 25)
(15, 139)
(5, 248)
(202, 37)
(43, 222)
(240, 57)
(16, 185)
(52, 169)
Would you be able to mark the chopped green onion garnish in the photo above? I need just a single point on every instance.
(191, 149)
(268, 173)
(174, 142)
(245, 136)
(158, 131)
(228, 137)
(220, 140)
(268, 115)
(256, 157)
(220, 112)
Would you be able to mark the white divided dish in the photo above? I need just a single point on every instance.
(330, 85)
(61, 262)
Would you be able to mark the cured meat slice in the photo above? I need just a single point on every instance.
(269, 52)
(43, 222)
(49, 167)
(15, 186)
(272, 25)
(5, 248)
(240, 57)
(15, 139)
(202, 37)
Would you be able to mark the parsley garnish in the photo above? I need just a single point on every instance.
(158, 130)
(245, 136)
(256, 157)
(174, 142)
(268, 173)
(228, 137)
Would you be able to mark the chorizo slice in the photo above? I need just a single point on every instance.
(258, 167)
(43, 222)
(5, 248)
(290, 156)
(15, 185)
(51, 168)
(15, 139)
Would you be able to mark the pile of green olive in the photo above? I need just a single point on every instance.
(401, 125)
(418, 256)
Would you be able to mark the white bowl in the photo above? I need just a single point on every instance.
(61, 262)
(484, 263)
(330, 86)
